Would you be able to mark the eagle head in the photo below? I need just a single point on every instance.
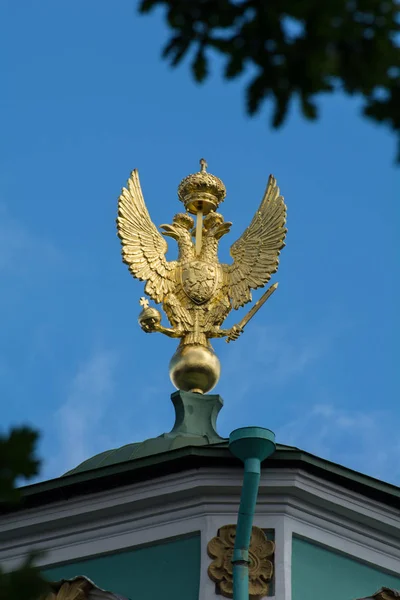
(215, 226)
(182, 224)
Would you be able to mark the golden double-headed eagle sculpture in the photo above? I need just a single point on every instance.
(198, 292)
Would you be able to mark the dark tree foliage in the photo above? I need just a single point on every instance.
(17, 459)
(300, 48)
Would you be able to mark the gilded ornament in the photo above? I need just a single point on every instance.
(384, 594)
(261, 550)
(77, 589)
(196, 291)
(201, 191)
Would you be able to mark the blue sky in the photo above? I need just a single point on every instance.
(85, 99)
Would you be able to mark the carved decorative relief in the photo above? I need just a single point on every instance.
(220, 549)
(77, 589)
(384, 594)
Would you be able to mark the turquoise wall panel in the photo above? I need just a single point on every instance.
(168, 570)
(320, 574)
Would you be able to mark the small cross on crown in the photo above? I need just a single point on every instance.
(203, 165)
(144, 302)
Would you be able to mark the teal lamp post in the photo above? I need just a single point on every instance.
(251, 445)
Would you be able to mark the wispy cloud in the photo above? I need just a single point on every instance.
(279, 358)
(285, 354)
(21, 248)
(80, 419)
(364, 440)
(274, 355)
(97, 415)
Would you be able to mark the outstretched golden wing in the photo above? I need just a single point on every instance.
(143, 247)
(256, 252)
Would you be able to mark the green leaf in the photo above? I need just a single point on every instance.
(17, 459)
(281, 107)
(179, 50)
(171, 46)
(234, 66)
(255, 94)
(308, 108)
(199, 65)
(147, 5)
(340, 45)
(24, 583)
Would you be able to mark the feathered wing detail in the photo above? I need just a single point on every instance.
(143, 247)
(256, 252)
(177, 314)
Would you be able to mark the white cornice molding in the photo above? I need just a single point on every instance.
(290, 500)
(335, 499)
(213, 482)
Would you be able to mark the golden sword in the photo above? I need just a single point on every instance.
(255, 309)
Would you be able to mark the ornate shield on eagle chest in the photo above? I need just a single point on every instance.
(199, 280)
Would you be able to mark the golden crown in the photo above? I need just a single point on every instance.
(201, 191)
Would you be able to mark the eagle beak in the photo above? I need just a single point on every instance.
(169, 230)
(222, 229)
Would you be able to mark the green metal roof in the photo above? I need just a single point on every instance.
(144, 468)
(153, 446)
(195, 423)
(192, 443)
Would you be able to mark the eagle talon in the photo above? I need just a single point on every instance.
(234, 333)
(149, 326)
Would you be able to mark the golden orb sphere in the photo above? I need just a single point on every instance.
(194, 369)
(149, 316)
